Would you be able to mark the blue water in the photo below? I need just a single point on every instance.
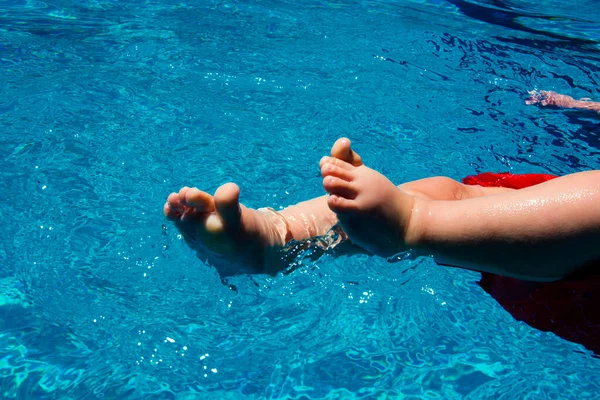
(106, 107)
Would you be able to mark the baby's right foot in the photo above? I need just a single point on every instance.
(374, 213)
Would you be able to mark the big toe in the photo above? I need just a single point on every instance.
(227, 204)
(342, 150)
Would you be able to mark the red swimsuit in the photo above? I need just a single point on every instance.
(569, 308)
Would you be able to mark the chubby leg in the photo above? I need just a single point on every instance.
(373, 211)
(223, 231)
(444, 188)
(544, 232)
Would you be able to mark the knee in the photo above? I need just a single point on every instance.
(437, 188)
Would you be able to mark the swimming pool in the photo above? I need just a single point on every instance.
(107, 107)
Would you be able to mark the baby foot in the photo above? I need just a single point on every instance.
(374, 213)
(225, 232)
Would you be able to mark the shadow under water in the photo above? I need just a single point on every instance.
(567, 308)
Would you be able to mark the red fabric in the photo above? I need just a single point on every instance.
(569, 308)
(506, 179)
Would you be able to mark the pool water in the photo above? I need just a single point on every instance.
(106, 107)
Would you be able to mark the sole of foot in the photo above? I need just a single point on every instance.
(223, 232)
(373, 211)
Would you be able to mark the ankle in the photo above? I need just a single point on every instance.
(276, 226)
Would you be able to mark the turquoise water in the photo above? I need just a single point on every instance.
(106, 107)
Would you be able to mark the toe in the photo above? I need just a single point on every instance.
(337, 162)
(330, 169)
(339, 204)
(182, 195)
(227, 204)
(202, 201)
(342, 150)
(174, 203)
(339, 187)
(170, 212)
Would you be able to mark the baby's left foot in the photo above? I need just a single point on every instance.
(225, 232)
(374, 213)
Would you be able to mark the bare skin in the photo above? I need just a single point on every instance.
(545, 232)
(375, 213)
(223, 231)
(547, 98)
(219, 228)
